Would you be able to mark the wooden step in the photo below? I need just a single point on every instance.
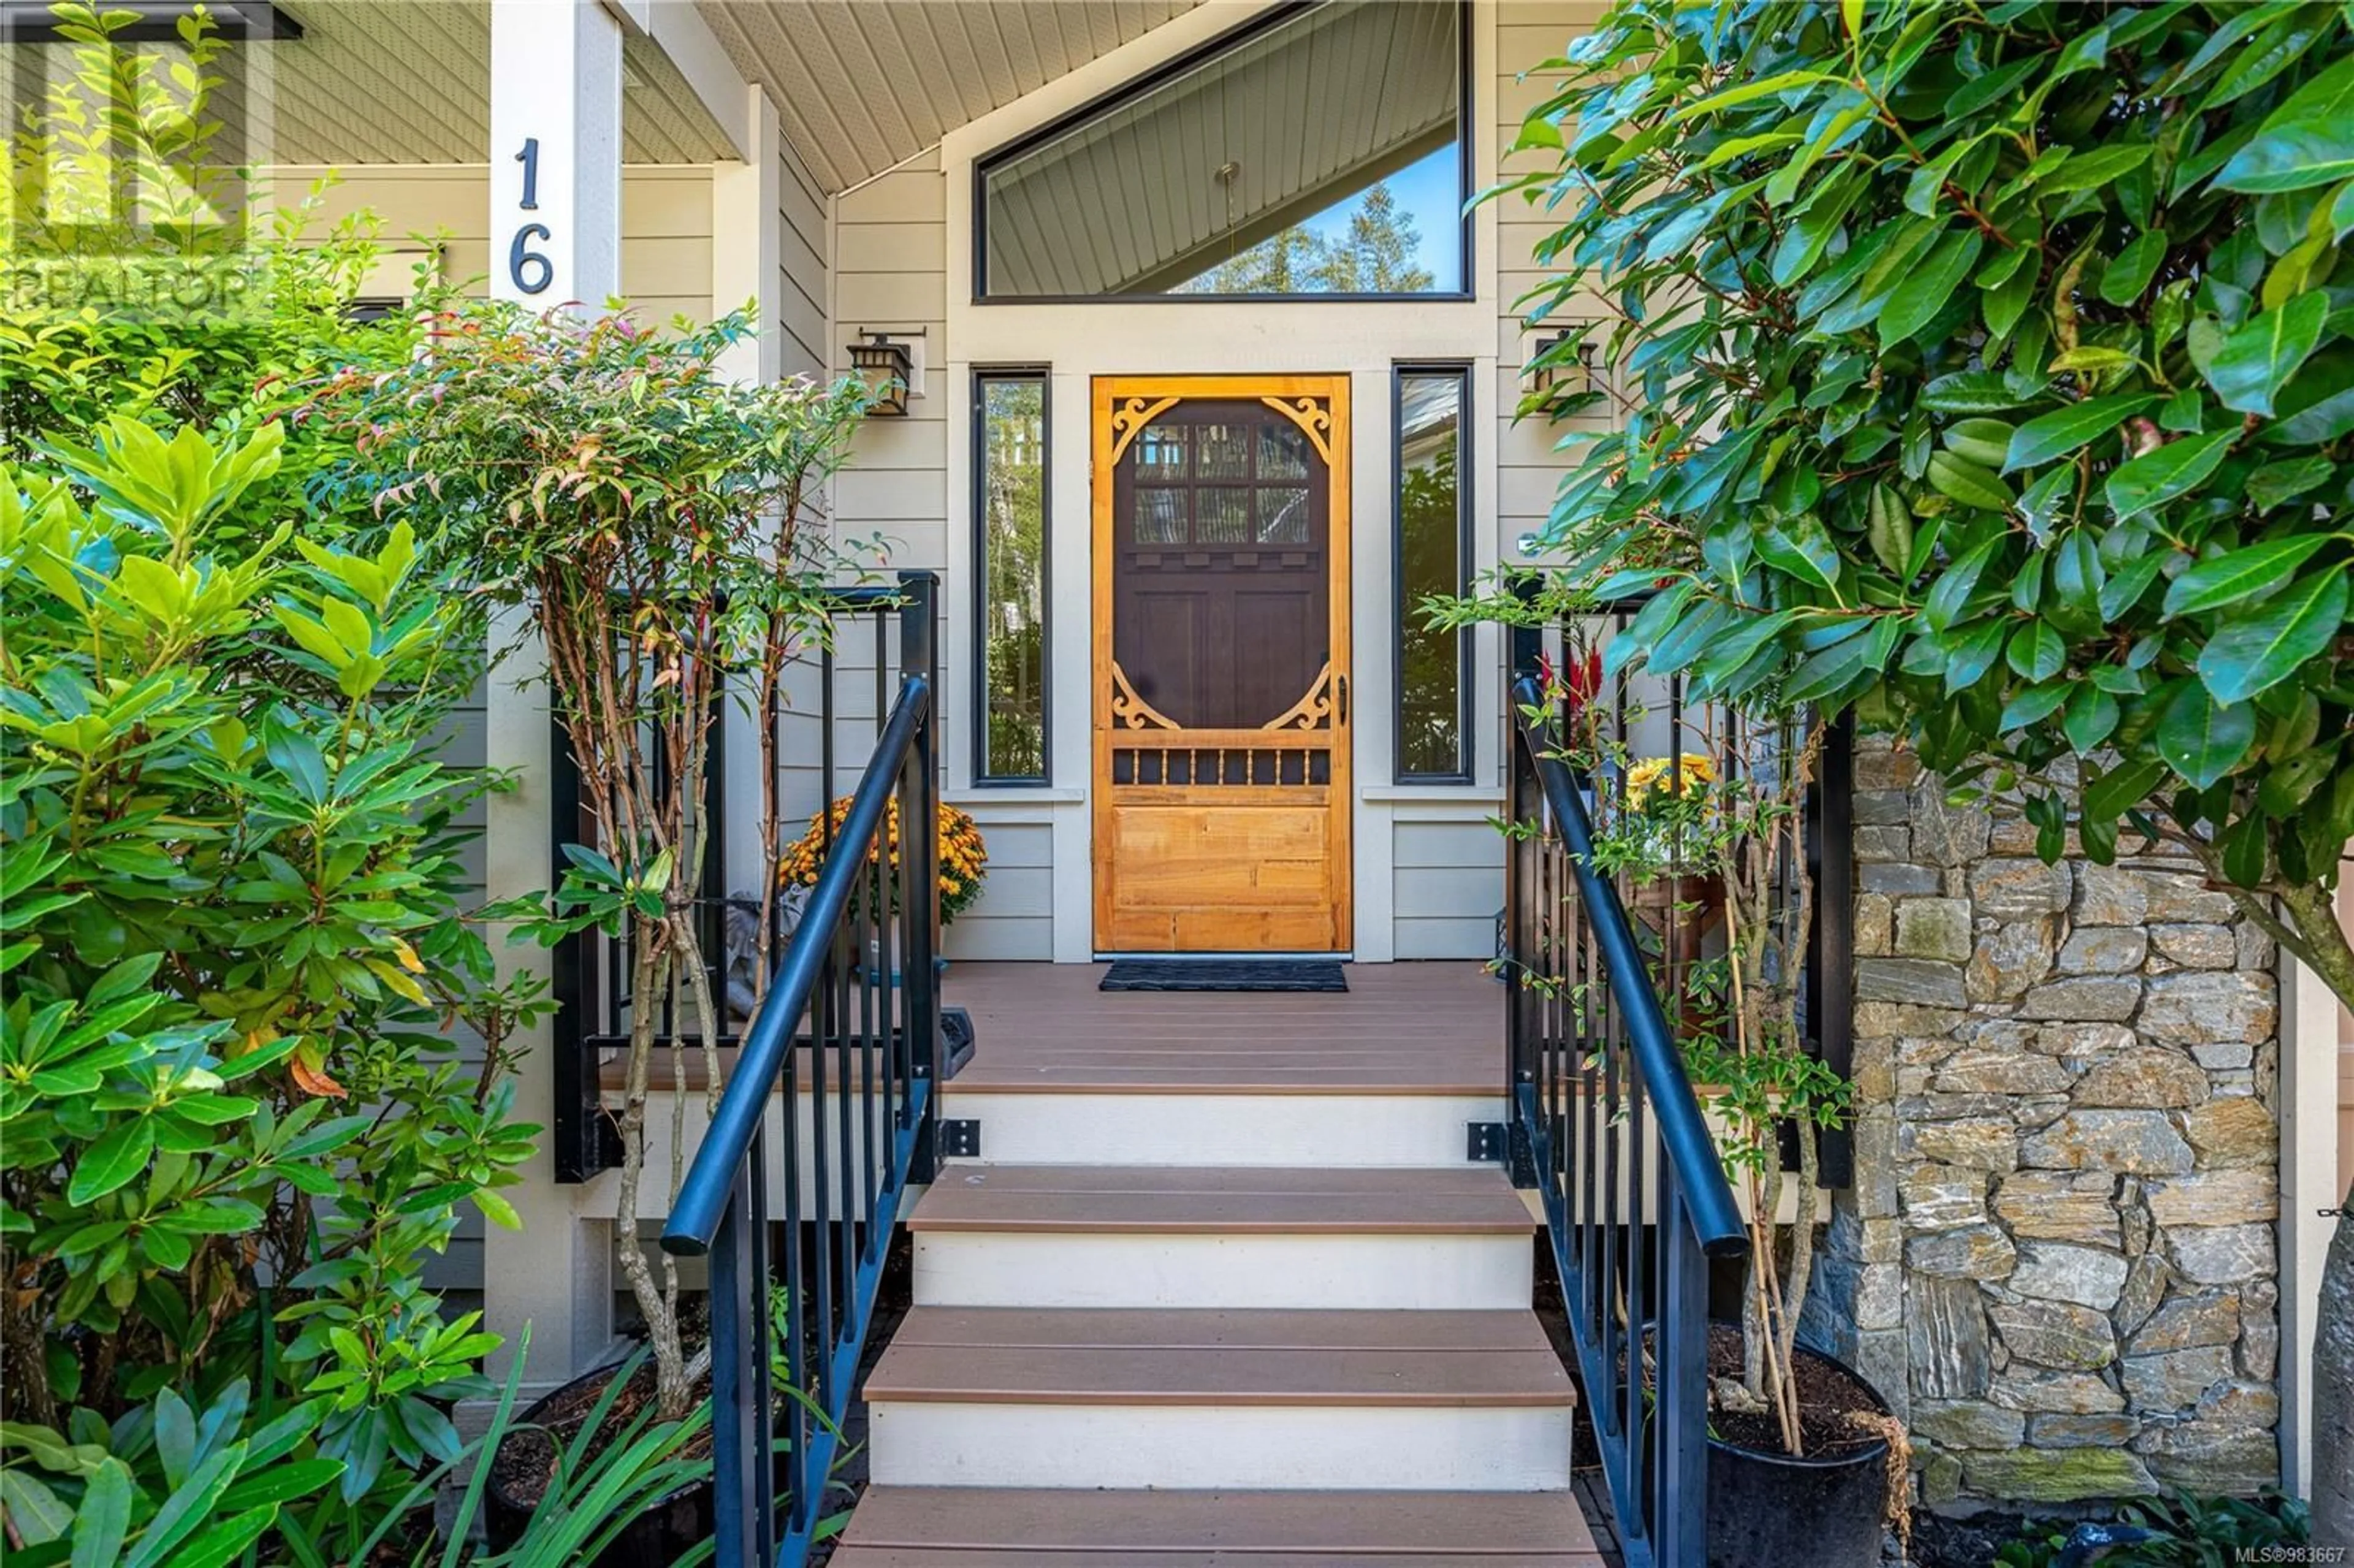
(1227, 1238)
(1221, 1201)
(950, 1527)
(1311, 1401)
(1007, 1356)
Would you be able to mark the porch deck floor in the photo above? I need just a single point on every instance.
(1420, 1028)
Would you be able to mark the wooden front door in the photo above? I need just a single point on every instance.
(1221, 641)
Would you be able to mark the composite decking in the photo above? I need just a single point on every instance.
(1194, 1347)
(1428, 1028)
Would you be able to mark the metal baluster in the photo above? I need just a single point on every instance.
(762, 1348)
(802, 1506)
(737, 1445)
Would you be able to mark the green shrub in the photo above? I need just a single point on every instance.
(230, 891)
(1992, 368)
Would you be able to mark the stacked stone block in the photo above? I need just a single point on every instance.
(2057, 1259)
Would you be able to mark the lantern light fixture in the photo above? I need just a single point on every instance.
(1548, 372)
(891, 366)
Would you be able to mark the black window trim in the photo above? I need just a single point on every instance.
(1232, 37)
(982, 375)
(1466, 747)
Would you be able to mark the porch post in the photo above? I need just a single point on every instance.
(555, 240)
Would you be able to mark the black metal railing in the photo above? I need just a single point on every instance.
(1607, 1129)
(838, 696)
(846, 1040)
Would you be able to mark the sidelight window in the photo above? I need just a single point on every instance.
(1010, 516)
(1434, 559)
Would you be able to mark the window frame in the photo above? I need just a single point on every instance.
(1232, 37)
(1043, 374)
(1465, 743)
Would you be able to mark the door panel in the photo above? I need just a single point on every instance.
(1222, 794)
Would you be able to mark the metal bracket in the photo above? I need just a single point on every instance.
(1486, 1143)
(959, 1139)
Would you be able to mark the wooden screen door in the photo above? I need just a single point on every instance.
(1221, 641)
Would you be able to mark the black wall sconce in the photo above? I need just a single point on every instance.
(1547, 371)
(889, 364)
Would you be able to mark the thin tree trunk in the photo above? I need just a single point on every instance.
(2333, 1390)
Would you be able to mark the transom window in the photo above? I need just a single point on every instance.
(1321, 152)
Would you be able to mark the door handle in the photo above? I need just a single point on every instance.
(1340, 699)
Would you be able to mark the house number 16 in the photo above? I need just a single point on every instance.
(530, 270)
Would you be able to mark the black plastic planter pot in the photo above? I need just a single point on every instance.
(1771, 1508)
(655, 1539)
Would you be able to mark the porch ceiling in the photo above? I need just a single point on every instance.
(861, 86)
(408, 81)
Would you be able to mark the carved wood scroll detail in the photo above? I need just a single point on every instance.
(1129, 417)
(1129, 711)
(1314, 418)
(1313, 711)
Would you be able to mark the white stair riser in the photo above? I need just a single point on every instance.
(1258, 1447)
(1325, 1131)
(1410, 1273)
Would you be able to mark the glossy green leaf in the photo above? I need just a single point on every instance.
(2131, 268)
(1972, 484)
(104, 1517)
(2203, 739)
(1971, 392)
(2128, 583)
(1888, 524)
(1973, 654)
(2293, 157)
(2109, 796)
(2256, 361)
(2091, 717)
(2238, 575)
(1803, 549)
(2037, 652)
(2246, 851)
(1929, 286)
(2256, 651)
(38, 1514)
(2152, 480)
(1950, 594)
(2062, 431)
(2031, 706)
(2091, 170)
(113, 1160)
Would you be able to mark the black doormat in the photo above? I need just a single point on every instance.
(1224, 974)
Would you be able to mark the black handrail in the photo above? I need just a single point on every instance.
(1607, 1126)
(858, 984)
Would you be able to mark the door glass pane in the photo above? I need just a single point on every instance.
(1282, 452)
(1159, 516)
(1222, 515)
(1160, 452)
(1222, 452)
(1432, 734)
(1010, 411)
(1282, 516)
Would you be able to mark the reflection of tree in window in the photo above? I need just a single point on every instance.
(1430, 561)
(1378, 250)
(1013, 537)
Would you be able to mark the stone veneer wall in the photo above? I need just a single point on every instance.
(2058, 1259)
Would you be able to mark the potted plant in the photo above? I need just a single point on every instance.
(963, 857)
(1806, 1462)
(637, 518)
